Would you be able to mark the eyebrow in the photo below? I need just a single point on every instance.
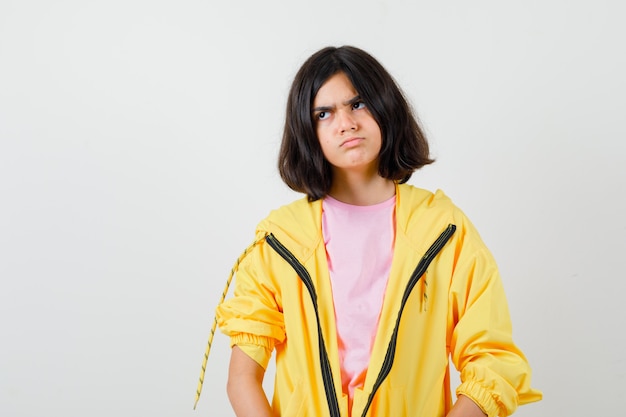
(345, 103)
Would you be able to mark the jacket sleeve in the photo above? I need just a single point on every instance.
(494, 372)
(252, 318)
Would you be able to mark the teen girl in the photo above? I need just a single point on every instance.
(366, 287)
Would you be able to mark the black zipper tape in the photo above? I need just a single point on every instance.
(419, 271)
(327, 376)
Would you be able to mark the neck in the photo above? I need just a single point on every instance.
(362, 191)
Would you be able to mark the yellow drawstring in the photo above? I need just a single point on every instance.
(208, 347)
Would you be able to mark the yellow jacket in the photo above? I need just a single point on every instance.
(444, 299)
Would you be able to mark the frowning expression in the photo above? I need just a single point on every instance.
(349, 136)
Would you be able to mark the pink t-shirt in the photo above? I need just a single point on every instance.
(359, 247)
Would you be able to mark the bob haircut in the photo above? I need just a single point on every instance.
(404, 148)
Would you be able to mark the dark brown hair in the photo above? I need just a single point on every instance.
(404, 149)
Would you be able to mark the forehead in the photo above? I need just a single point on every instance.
(337, 89)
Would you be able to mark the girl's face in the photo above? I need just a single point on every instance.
(349, 136)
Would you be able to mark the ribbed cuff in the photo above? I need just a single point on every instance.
(481, 396)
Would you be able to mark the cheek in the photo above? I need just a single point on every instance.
(322, 136)
(326, 148)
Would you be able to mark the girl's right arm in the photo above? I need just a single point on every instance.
(245, 389)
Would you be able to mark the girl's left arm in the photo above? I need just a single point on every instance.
(464, 407)
(495, 374)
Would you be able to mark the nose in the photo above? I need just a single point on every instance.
(346, 121)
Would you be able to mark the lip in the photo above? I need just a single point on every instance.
(349, 142)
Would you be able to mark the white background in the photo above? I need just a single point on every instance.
(138, 142)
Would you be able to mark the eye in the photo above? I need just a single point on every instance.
(322, 115)
(358, 105)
